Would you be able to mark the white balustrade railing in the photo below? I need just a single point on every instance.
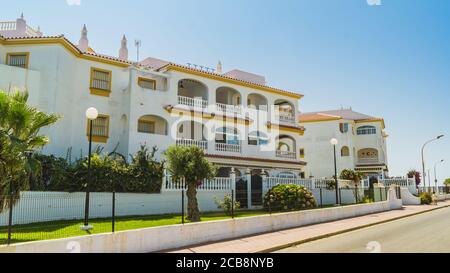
(313, 183)
(31, 32)
(228, 108)
(270, 182)
(192, 142)
(193, 102)
(286, 118)
(286, 154)
(403, 182)
(215, 184)
(9, 25)
(225, 147)
(368, 161)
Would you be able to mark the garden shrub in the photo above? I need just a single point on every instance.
(225, 204)
(143, 175)
(289, 198)
(425, 198)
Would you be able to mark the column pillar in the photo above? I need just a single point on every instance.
(248, 175)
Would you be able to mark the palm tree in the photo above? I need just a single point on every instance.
(190, 164)
(19, 139)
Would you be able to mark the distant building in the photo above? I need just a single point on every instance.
(361, 143)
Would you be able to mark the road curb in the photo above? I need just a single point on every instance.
(315, 238)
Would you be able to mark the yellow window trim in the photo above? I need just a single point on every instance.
(96, 91)
(99, 139)
(27, 55)
(148, 80)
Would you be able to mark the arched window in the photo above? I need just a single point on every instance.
(227, 135)
(257, 138)
(345, 151)
(366, 130)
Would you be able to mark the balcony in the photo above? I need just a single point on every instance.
(228, 108)
(368, 161)
(226, 147)
(286, 118)
(286, 154)
(193, 102)
(192, 142)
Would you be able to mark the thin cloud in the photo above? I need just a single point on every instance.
(73, 2)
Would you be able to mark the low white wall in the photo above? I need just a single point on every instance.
(168, 237)
(36, 207)
(408, 198)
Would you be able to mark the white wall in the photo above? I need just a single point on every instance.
(176, 236)
(36, 207)
(319, 151)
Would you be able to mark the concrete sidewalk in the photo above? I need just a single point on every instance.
(278, 240)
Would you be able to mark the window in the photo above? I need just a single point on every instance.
(227, 135)
(147, 83)
(302, 153)
(18, 59)
(343, 127)
(146, 126)
(366, 130)
(100, 82)
(100, 129)
(302, 175)
(257, 138)
(345, 151)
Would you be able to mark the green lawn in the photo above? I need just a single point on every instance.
(65, 229)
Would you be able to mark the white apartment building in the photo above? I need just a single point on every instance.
(238, 119)
(361, 143)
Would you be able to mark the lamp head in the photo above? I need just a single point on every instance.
(92, 113)
(334, 141)
(441, 136)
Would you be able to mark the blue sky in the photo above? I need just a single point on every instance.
(390, 60)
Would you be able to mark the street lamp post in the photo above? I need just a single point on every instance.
(334, 142)
(435, 176)
(91, 115)
(423, 159)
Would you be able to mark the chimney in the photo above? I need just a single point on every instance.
(83, 44)
(21, 26)
(219, 68)
(123, 52)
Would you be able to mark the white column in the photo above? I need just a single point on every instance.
(248, 175)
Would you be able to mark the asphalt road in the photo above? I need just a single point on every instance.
(424, 233)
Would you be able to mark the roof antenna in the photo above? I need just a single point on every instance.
(137, 44)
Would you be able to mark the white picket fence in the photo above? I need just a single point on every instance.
(270, 182)
(215, 184)
(228, 183)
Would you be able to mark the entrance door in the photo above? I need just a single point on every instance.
(241, 193)
(257, 199)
